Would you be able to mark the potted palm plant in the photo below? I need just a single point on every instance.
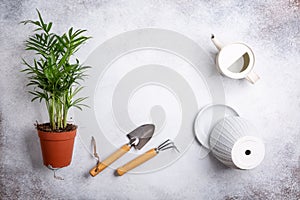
(54, 79)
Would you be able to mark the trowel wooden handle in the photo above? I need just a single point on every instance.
(113, 157)
(136, 162)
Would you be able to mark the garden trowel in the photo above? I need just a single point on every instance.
(137, 139)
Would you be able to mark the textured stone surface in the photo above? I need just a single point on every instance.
(272, 28)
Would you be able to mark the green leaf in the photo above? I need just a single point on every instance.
(49, 27)
(70, 32)
(43, 25)
(78, 32)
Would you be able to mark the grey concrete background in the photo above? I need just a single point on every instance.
(272, 28)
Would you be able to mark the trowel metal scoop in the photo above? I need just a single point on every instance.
(137, 139)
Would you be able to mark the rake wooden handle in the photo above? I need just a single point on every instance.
(136, 162)
(113, 157)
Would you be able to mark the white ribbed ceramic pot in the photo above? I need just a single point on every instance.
(232, 142)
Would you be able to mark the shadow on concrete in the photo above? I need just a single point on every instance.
(34, 149)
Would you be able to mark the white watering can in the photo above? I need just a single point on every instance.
(235, 60)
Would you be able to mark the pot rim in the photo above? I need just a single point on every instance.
(57, 136)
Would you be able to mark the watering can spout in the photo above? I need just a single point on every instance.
(216, 42)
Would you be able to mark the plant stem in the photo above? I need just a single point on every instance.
(60, 114)
(58, 120)
(48, 109)
(65, 110)
(52, 114)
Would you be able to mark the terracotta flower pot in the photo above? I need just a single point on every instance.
(57, 147)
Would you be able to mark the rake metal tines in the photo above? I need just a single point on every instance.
(168, 144)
